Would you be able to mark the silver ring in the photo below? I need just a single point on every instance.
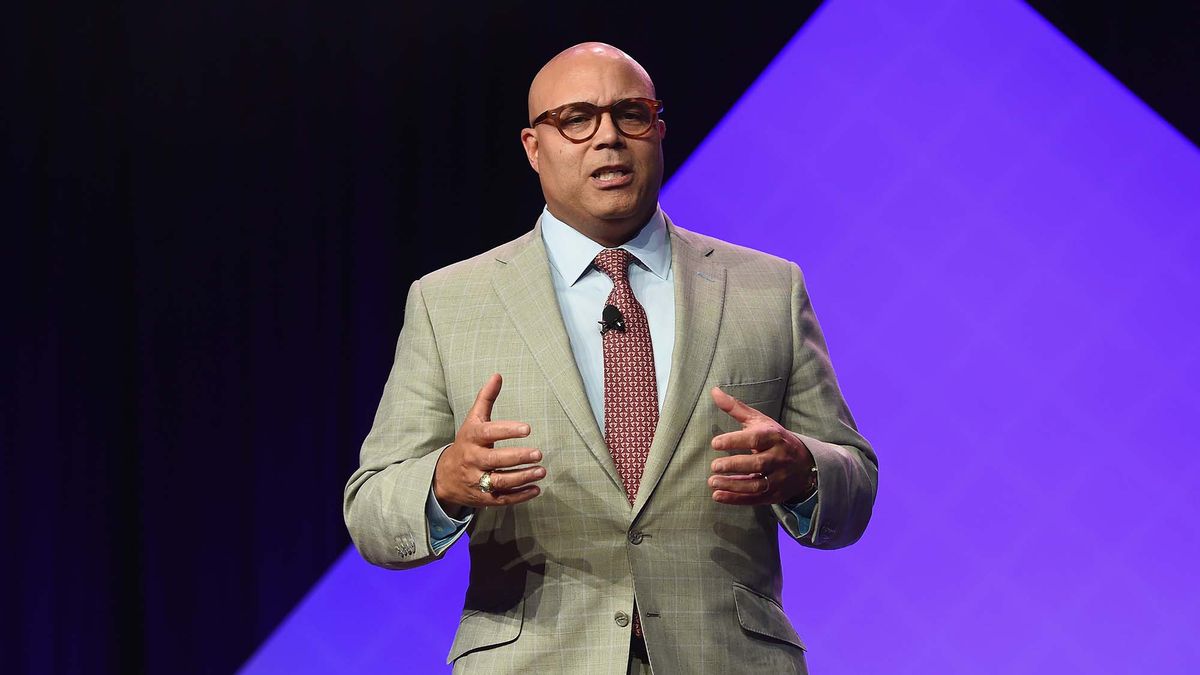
(485, 482)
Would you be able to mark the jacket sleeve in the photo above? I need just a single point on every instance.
(814, 410)
(385, 499)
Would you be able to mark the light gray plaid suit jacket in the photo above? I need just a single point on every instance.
(551, 577)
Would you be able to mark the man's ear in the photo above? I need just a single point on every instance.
(530, 141)
(662, 130)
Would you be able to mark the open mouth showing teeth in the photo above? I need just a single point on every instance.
(609, 174)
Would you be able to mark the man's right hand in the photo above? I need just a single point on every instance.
(456, 477)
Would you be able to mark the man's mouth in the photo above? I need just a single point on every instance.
(612, 176)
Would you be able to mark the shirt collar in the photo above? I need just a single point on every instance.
(571, 253)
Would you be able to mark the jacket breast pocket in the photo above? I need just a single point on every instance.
(479, 630)
(763, 616)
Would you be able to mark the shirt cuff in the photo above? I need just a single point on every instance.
(803, 512)
(443, 529)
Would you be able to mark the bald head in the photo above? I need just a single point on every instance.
(571, 63)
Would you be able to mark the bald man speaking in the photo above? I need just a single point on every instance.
(618, 413)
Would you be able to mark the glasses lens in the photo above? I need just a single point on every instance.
(633, 118)
(577, 120)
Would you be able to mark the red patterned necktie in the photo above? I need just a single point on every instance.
(630, 388)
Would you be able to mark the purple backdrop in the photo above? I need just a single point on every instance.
(1001, 242)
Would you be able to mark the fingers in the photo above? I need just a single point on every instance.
(742, 479)
(515, 479)
(486, 398)
(479, 428)
(735, 408)
(514, 497)
(487, 433)
(758, 463)
(741, 484)
(456, 478)
(769, 477)
(504, 458)
(740, 499)
(753, 438)
(457, 474)
(742, 489)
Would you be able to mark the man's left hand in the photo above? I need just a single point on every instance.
(778, 468)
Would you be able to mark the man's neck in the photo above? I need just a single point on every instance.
(610, 234)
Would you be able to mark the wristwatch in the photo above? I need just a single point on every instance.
(811, 488)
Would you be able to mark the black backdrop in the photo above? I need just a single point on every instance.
(217, 210)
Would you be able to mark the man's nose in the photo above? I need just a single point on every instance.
(607, 135)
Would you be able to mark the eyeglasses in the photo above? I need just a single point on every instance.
(578, 122)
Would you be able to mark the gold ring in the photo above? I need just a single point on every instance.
(485, 482)
(765, 480)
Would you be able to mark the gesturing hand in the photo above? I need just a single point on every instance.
(471, 455)
(778, 468)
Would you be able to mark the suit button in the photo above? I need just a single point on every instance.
(404, 545)
(621, 618)
(635, 538)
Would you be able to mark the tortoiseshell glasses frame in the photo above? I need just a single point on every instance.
(578, 122)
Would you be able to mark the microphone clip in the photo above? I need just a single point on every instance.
(611, 320)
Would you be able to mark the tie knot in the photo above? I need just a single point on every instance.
(615, 263)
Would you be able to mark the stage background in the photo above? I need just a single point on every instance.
(219, 208)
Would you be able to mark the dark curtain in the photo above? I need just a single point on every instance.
(218, 208)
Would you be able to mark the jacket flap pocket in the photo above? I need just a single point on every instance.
(480, 630)
(762, 615)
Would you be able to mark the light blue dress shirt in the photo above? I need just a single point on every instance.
(582, 291)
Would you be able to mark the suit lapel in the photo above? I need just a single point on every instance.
(699, 303)
(524, 287)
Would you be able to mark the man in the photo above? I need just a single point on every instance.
(654, 402)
